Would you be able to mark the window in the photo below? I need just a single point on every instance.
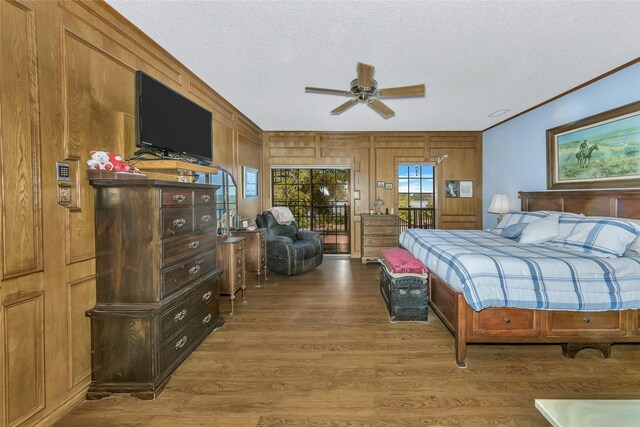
(319, 201)
(415, 194)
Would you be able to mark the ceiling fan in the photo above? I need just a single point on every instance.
(365, 89)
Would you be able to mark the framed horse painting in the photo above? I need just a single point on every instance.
(600, 151)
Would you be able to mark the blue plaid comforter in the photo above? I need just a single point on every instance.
(493, 271)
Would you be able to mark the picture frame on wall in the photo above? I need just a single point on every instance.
(388, 186)
(250, 183)
(380, 184)
(466, 189)
(452, 189)
(600, 151)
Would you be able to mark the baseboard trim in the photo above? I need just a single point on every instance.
(63, 409)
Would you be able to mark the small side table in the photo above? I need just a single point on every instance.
(255, 251)
(230, 257)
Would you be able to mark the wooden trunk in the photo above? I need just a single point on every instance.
(406, 297)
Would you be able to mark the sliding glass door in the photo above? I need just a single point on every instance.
(319, 201)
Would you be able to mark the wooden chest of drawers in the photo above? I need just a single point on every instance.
(378, 232)
(255, 251)
(231, 253)
(157, 282)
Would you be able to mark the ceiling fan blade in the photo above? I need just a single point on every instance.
(331, 91)
(381, 108)
(350, 103)
(365, 75)
(415, 90)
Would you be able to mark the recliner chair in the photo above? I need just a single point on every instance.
(289, 250)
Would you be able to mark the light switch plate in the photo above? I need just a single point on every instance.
(64, 194)
(63, 171)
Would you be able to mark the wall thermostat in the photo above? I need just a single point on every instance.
(63, 171)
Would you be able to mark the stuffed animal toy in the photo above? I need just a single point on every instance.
(118, 164)
(110, 162)
(100, 160)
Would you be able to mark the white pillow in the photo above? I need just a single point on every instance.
(540, 231)
(635, 245)
(517, 217)
(598, 236)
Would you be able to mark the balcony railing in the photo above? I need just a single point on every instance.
(417, 218)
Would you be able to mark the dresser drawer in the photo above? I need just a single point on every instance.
(176, 221)
(205, 217)
(209, 293)
(390, 241)
(175, 277)
(174, 250)
(373, 251)
(179, 314)
(179, 344)
(177, 197)
(503, 321)
(380, 231)
(204, 196)
(577, 323)
(380, 220)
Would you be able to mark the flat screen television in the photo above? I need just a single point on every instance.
(170, 123)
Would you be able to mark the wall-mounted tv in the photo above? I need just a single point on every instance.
(170, 123)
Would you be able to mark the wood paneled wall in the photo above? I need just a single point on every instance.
(374, 156)
(67, 85)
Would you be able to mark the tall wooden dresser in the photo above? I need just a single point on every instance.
(255, 251)
(378, 232)
(157, 282)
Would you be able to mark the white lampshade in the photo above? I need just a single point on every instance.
(500, 204)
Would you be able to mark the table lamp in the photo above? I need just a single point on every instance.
(500, 204)
(378, 203)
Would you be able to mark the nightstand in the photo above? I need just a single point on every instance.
(230, 257)
(255, 251)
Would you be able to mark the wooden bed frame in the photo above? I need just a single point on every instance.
(573, 330)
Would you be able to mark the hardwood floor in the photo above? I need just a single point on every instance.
(318, 349)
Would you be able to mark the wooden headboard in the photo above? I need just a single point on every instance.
(616, 203)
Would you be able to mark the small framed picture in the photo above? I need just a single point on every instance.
(380, 184)
(388, 186)
(250, 183)
(245, 223)
(452, 189)
(466, 188)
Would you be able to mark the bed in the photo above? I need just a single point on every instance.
(594, 316)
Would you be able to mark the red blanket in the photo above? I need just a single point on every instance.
(401, 261)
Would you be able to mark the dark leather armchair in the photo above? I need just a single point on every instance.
(289, 250)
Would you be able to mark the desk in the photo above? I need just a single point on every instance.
(586, 413)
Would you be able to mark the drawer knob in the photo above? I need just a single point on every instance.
(206, 296)
(180, 315)
(415, 292)
(403, 292)
(205, 218)
(194, 269)
(181, 342)
(586, 320)
(179, 198)
(177, 223)
(194, 244)
(507, 320)
(239, 261)
(205, 197)
(239, 275)
(239, 248)
(206, 319)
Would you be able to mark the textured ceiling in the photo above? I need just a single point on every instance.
(475, 57)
